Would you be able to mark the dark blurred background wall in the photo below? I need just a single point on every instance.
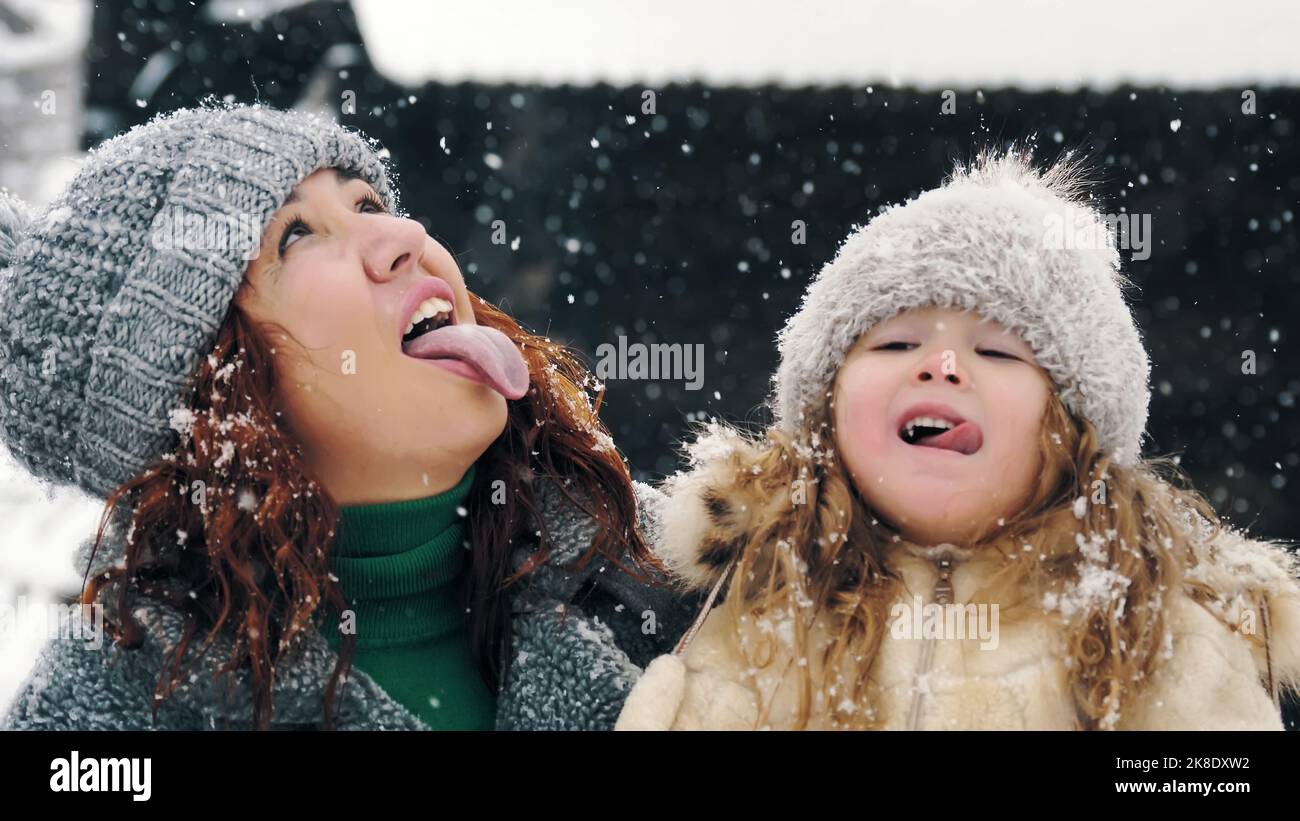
(676, 227)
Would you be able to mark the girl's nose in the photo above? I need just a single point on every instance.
(941, 363)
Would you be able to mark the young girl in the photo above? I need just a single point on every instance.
(317, 448)
(950, 525)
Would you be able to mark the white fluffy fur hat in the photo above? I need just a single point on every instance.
(990, 239)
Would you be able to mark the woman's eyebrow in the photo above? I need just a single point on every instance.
(341, 176)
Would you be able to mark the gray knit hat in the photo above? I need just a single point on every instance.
(110, 296)
(1012, 244)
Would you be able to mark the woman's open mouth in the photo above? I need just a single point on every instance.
(470, 351)
(431, 314)
(430, 304)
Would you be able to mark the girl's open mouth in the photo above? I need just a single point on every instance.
(941, 430)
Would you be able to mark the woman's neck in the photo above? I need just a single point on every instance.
(382, 528)
(399, 566)
(358, 483)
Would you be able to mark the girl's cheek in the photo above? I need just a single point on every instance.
(861, 421)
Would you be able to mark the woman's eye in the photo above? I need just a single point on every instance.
(299, 228)
(291, 230)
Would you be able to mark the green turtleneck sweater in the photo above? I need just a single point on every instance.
(401, 567)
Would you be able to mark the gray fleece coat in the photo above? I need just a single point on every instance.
(580, 641)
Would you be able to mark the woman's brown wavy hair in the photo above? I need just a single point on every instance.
(239, 540)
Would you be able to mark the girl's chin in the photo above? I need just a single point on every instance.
(928, 535)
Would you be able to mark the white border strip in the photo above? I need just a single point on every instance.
(924, 43)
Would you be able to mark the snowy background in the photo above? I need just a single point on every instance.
(674, 226)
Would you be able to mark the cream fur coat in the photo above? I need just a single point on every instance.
(1211, 674)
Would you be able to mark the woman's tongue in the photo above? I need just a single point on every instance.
(487, 349)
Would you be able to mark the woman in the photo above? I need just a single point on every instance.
(325, 462)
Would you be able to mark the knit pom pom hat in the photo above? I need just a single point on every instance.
(111, 294)
(998, 238)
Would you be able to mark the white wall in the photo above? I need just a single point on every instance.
(927, 43)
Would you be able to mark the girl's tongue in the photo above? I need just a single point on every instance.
(965, 438)
(486, 349)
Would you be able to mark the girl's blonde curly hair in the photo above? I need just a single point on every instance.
(823, 558)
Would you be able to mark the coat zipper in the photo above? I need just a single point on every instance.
(942, 596)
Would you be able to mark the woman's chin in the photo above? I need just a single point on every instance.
(485, 413)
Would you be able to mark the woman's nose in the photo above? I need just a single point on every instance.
(395, 247)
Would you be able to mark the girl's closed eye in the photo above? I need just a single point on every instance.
(368, 200)
(988, 352)
(998, 354)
